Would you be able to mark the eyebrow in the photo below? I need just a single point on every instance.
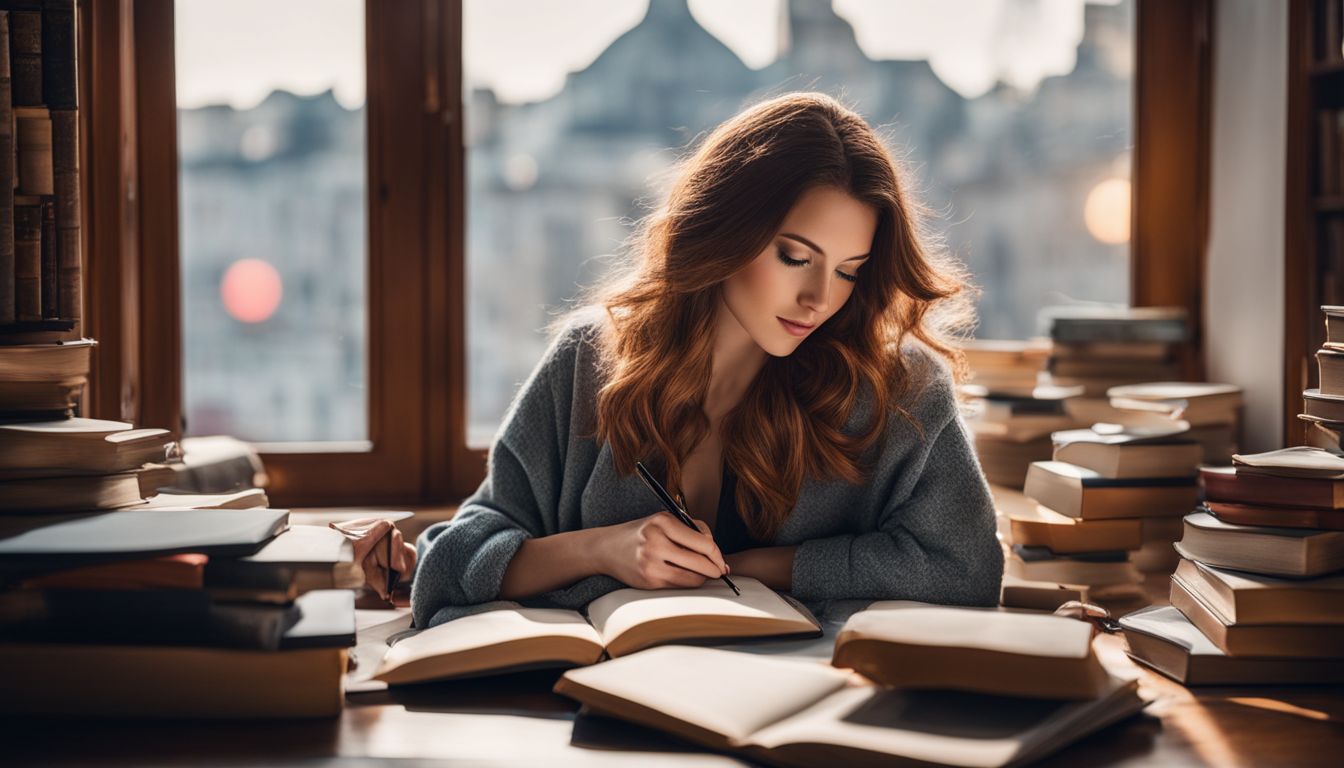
(814, 247)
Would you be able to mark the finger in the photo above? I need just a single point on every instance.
(695, 541)
(410, 558)
(691, 561)
(679, 577)
(375, 576)
(399, 559)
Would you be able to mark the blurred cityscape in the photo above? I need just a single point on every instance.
(1028, 186)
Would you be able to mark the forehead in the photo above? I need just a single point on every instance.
(839, 224)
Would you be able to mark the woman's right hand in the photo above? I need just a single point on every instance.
(660, 552)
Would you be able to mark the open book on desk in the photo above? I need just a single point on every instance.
(795, 712)
(616, 624)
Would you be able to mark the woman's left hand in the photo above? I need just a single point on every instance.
(368, 535)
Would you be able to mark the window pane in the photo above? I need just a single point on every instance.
(1014, 118)
(271, 136)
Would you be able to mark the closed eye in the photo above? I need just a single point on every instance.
(792, 262)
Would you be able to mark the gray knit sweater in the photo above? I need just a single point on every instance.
(922, 527)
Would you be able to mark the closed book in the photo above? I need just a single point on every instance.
(1093, 569)
(156, 617)
(1040, 526)
(1284, 517)
(1322, 433)
(249, 498)
(48, 250)
(1330, 365)
(38, 542)
(65, 162)
(70, 493)
(1198, 403)
(1328, 407)
(1016, 592)
(783, 711)
(7, 315)
(310, 557)
(1249, 598)
(1296, 461)
(1005, 461)
(32, 143)
(25, 56)
(1312, 641)
(905, 644)
(57, 361)
(87, 445)
(1334, 324)
(1087, 495)
(27, 260)
(1162, 638)
(185, 571)
(59, 74)
(1087, 324)
(1294, 552)
(1231, 485)
(1153, 351)
(1127, 455)
(171, 682)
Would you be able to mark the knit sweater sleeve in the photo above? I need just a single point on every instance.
(935, 534)
(462, 560)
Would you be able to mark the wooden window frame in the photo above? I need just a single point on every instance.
(417, 450)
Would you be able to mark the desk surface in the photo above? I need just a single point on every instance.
(516, 720)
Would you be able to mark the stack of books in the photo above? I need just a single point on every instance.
(77, 464)
(1258, 596)
(1012, 427)
(1101, 346)
(1006, 366)
(907, 684)
(174, 612)
(1212, 411)
(1323, 406)
(1108, 507)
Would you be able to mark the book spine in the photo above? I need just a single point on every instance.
(27, 261)
(7, 314)
(58, 54)
(33, 139)
(25, 52)
(50, 308)
(65, 162)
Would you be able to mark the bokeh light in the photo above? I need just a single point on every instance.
(1106, 212)
(251, 290)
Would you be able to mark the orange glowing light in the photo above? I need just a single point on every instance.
(1106, 211)
(251, 290)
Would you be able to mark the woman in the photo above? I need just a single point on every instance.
(773, 357)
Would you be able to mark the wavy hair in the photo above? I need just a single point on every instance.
(727, 202)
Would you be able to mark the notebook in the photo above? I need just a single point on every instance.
(906, 644)
(798, 712)
(618, 623)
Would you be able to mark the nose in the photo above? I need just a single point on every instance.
(815, 294)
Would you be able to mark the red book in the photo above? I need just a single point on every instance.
(1226, 484)
(1283, 517)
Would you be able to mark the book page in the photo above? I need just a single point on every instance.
(428, 654)
(731, 694)
(948, 727)
(618, 612)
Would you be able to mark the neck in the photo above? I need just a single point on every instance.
(735, 361)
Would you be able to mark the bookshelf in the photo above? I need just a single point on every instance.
(1314, 193)
(41, 292)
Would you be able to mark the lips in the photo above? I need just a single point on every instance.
(795, 328)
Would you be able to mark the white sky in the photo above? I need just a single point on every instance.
(524, 48)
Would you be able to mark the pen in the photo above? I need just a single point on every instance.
(676, 511)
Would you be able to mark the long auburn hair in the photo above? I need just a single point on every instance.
(727, 202)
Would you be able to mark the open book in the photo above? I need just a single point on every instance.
(617, 623)
(797, 712)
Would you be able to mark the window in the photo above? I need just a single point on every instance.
(271, 155)
(1014, 119)
(446, 211)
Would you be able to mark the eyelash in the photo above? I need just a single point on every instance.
(791, 262)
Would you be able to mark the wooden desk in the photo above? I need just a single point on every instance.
(516, 720)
